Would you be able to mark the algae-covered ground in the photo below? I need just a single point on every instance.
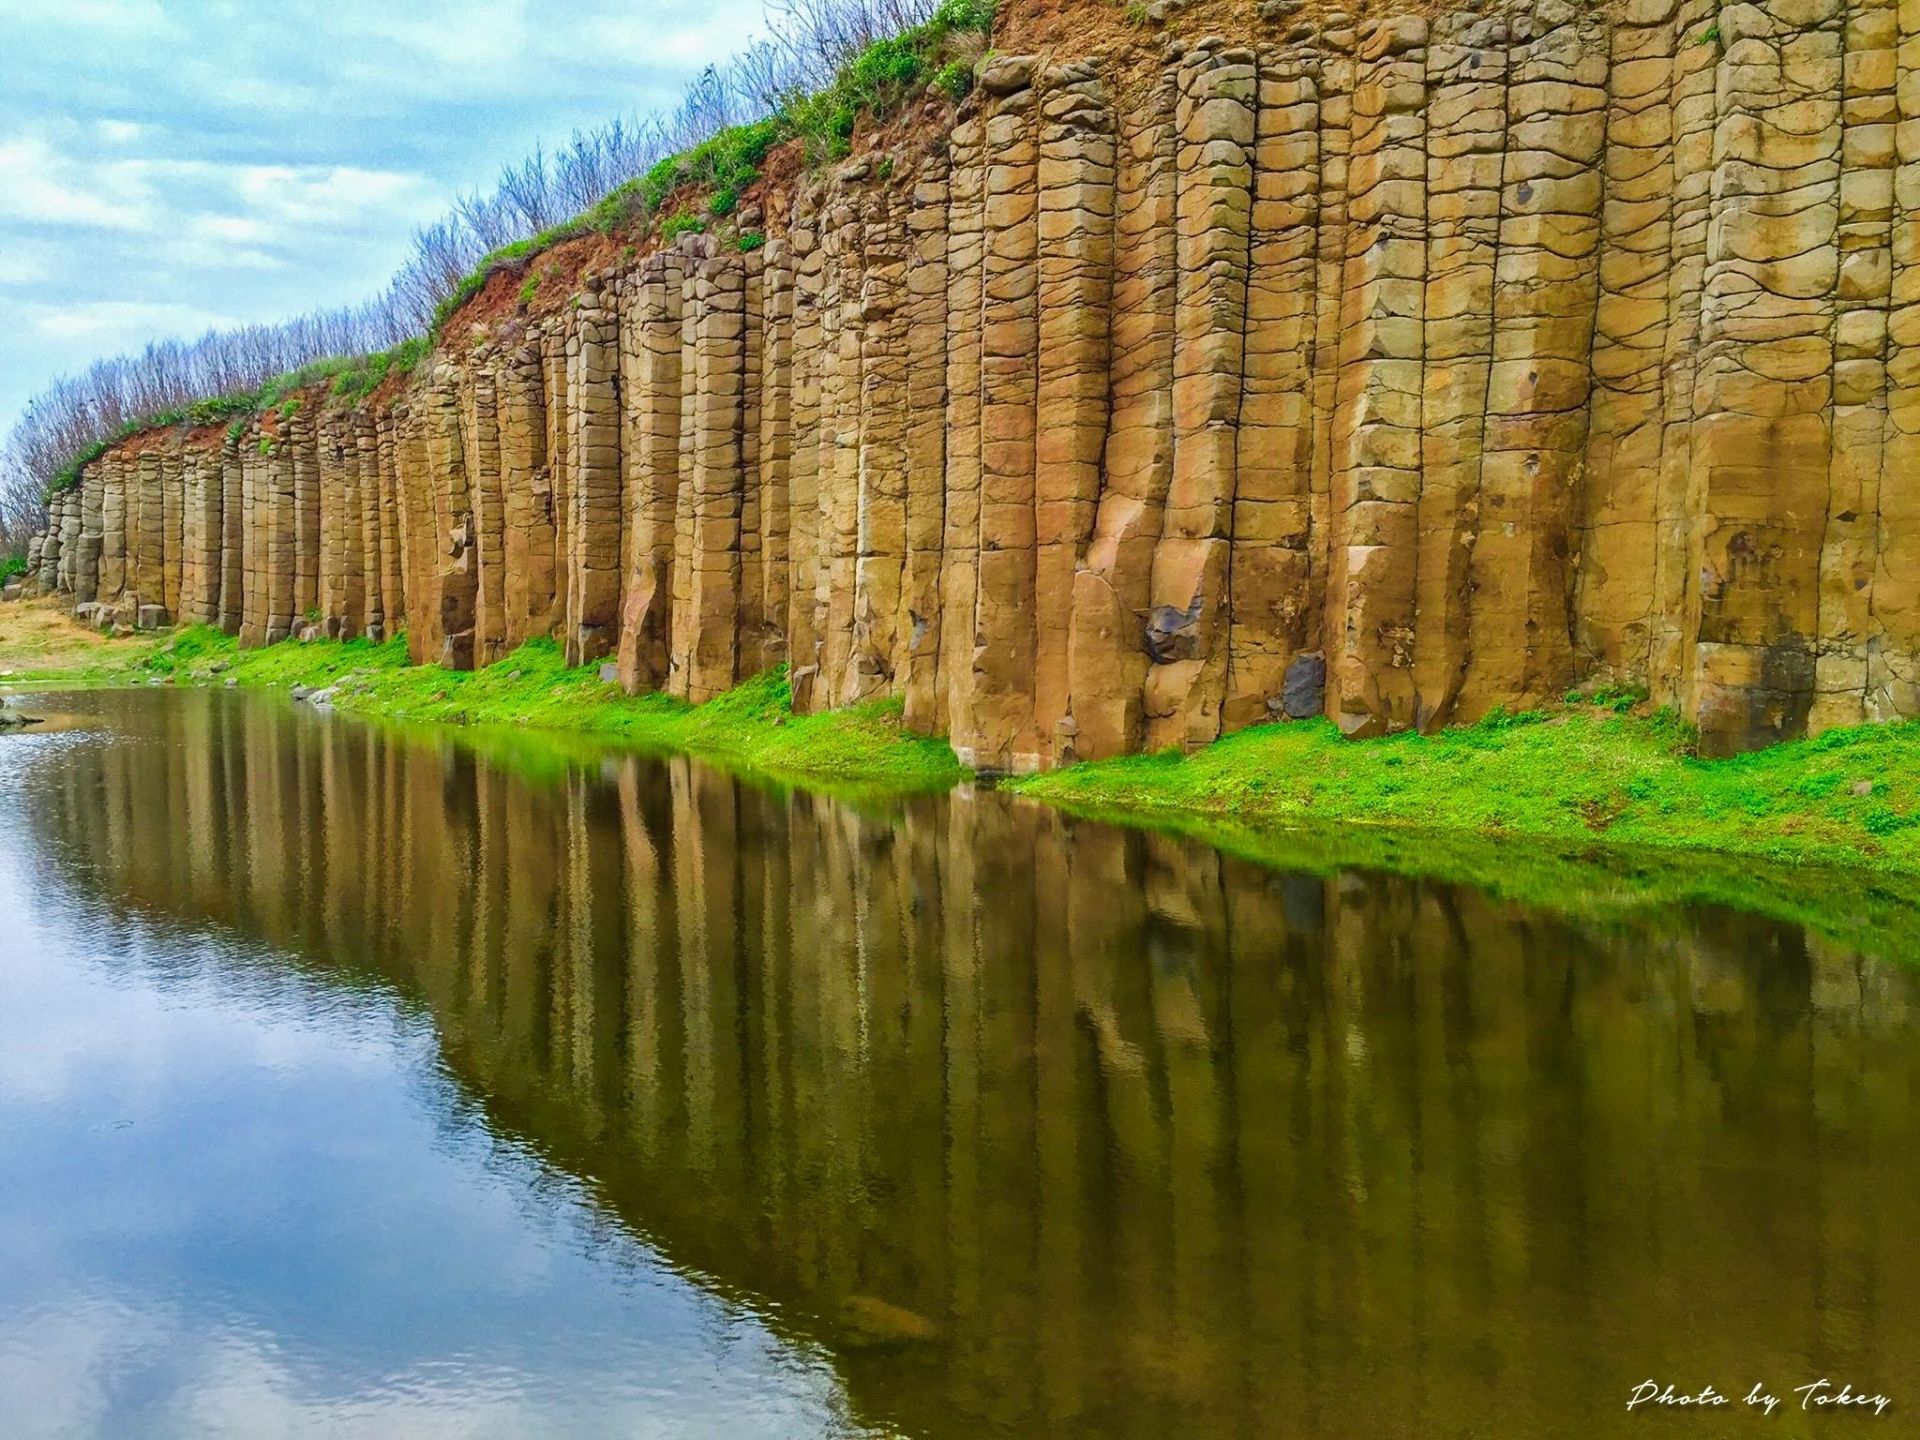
(1583, 775)
(1598, 775)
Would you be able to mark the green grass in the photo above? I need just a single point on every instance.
(1591, 775)
(752, 726)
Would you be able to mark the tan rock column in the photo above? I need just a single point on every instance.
(1893, 663)
(353, 535)
(80, 545)
(593, 452)
(1678, 493)
(373, 570)
(877, 647)
(393, 569)
(1762, 434)
(526, 483)
(842, 323)
(1536, 423)
(1075, 277)
(1106, 657)
(775, 454)
(1272, 526)
(1338, 74)
(200, 586)
(330, 485)
(113, 527)
(254, 508)
(707, 647)
(998, 732)
(448, 631)
(1614, 589)
(925, 309)
(651, 339)
(803, 485)
(192, 534)
(1850, 542)
(481, 430)
(960, 481)
(233, 532)
(146, 582)
(552, 340)
(43, 550)
(172, 517)
(759, 645)
(1467, 63)
(277, 484)
(693, 250)
(303, 438)
(89, 570)
(421, 536)
(1376, 425)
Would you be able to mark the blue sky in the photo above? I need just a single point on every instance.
(165, 167)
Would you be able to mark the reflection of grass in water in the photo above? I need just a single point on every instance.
(533, 689)
(1879, 916)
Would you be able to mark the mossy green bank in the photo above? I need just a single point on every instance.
(752, 726)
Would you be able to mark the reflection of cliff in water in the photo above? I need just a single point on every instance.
(1043, 1123)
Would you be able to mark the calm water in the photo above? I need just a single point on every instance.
(359, 1084)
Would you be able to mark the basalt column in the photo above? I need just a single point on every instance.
(1274, 666)
(879, 422)
(707, 564)
(1467, 75)
(172, 517)
(1376, 430)
(960, 540)
(303, 438)
(373, 566)
(1626, 410)
(1075, 291)
(651, 361)
(774, 455)
(1865, 236)
(1893, 648)
(526, 482)
(1762, 441)
(146, 580)
(1107, 659)
(996, 730)
(1521, 574)
(443, 626)
(926, 440)
(593, 460)
(481, 431)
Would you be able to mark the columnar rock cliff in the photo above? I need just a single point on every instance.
(1393, 369)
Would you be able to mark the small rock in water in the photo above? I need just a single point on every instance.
(300, 692)
(872, 1321)
(231, 682)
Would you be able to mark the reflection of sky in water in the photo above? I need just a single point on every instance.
(238, 1201)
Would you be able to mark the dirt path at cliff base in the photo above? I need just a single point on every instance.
(38, 637)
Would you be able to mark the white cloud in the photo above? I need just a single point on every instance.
(42, 187)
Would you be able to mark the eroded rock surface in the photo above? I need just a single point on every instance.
(1393, 370)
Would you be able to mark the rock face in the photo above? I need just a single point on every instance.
(1394, 372)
